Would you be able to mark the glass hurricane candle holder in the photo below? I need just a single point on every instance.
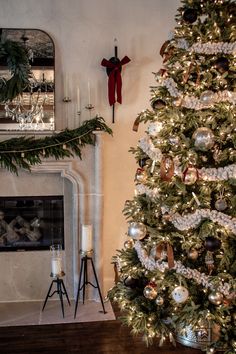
(56, 261)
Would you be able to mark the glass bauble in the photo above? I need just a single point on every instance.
(212, 244)
(221, 204)
(159, 300)
(180, 294)
(215, 297)
(190, 15)
(137, 230)
(150, 292)
(204, 139)
(207, 97)
(129, 244)
(154, 128)
(190, 175)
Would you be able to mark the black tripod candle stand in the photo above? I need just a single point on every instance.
(87, 257)
(60, 290)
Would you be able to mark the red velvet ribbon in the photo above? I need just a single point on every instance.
(114, 79)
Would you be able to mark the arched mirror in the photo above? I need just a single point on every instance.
(27, 85)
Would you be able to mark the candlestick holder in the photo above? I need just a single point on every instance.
(86, 257)
(89, 106)
(66, 99)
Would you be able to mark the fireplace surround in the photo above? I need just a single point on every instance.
(25, 276)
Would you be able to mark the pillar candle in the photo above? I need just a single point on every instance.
(86, 238)
(56, 266)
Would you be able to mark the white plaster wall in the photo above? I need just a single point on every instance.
(83, 32)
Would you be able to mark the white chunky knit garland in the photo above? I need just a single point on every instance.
(191, 221)
(148, 147)
(142, 189)
(208, 48)
(201, 278)
(205, 174)
(195, 102)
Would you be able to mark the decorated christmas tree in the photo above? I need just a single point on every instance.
(177, 268)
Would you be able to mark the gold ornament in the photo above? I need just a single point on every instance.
(209, 260)
(150, 292)
(216, 298)
(193, 254)
(129, 244)
(233, 343)
(141, 175)
(204, 139)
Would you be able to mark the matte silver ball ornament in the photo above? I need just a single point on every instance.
(221, 204)
(204, 139)
(216, 298)
(180, 294)
(129, 244)
(150, 292)
(159, 300)
(137, 230)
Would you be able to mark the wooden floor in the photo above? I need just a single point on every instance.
(107, 337)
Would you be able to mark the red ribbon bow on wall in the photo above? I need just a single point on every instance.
(114, 78)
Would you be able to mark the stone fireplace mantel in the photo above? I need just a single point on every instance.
(81, 184)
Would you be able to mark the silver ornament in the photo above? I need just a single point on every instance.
(190, 175)
(221, 204)
(154, 128)
(180, 294)
(215, 298)
(150, 292)
(137, 230)
(159, 300)
(211, 350)
(129, 244)
(193, 254)
(204, 139)
(207, 97)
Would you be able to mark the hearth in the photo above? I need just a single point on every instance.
(31, 223)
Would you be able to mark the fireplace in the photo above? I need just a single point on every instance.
(25, 276)
(31, 223)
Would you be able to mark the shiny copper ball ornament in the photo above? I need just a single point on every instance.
(150, 292)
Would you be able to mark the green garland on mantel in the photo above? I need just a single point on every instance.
(24, 152)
